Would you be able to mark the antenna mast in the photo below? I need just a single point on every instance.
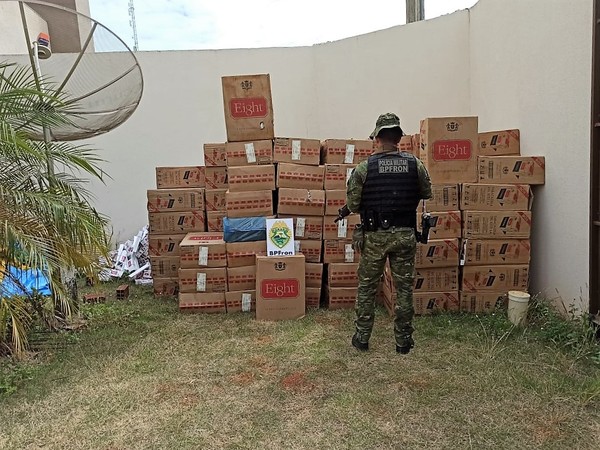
(132, 24)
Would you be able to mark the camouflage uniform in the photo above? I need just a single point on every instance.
(397, 243)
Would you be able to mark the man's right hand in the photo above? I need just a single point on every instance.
(342, 213)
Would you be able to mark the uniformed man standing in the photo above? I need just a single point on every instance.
(386, 191)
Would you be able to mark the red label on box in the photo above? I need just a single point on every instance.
(248, 107)
(205, 238)
(286, 288)
(454, 150)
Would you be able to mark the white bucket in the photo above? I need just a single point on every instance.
(518, 302)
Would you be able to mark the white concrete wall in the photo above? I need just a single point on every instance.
(12, 37)
(334, 90)
(417, 70)
(514, 63)
(531, 69)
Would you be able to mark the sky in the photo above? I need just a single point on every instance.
(221, 24)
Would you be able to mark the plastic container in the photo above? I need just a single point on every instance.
(518, 303)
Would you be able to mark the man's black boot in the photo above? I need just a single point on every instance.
(356, 343)
(405, 348)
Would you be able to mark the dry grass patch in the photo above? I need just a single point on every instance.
(144, 376)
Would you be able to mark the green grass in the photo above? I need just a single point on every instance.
(142, 375)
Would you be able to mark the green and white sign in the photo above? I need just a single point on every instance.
(280, 237)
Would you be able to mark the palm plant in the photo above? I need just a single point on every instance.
(47, 221)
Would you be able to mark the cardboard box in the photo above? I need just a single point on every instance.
(313, 297)
(449, 149)
(406, 144)
(195, 302)
(495, 197)
(496, 224)
(280, 287)
(512, 169)
(438, 253)
(436, 280)
(203, 250)
(249, 204)
(341, 297)
(314, 275)
(297, 176)
(343, 229)
(297, 151)
(334, 201)
(168, 287)
(164, 245)
(311, 249)
(215, 200)
(203, 280)
(170, 200)
(164, 266)
(342, 275)
(249, 153)
(479, 252)
(500, 143)
(416, 144)
(251, 178)
(216, 178)
(495, 278)
(483, 302)
(214, 221)
(180, 177)
(240, 301)
(426, 303)
(339, 251)
(307, 227)
(445, 197)
(346, 151)
(448, 224)
(248, 107)
(176, 222)
(301, 202)
(243, 253)
(379, 299)
(215, 155)
(241, 278)
(337, 175)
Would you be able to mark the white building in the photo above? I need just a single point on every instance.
(515, 64)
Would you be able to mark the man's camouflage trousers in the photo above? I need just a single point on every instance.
(399, 245)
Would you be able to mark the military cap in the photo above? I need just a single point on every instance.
(387, 120)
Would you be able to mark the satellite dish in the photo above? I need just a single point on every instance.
(97, 75)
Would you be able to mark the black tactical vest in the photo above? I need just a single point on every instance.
(391, 186)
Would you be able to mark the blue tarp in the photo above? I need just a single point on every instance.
(24, 282)
(244, 229)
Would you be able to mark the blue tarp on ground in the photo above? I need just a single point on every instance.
(24, 282)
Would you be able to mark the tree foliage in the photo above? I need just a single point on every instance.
(47, 220)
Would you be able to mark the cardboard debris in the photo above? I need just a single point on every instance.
(131, 258)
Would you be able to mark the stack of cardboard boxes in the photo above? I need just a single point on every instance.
(175, 208)
(479, 247)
